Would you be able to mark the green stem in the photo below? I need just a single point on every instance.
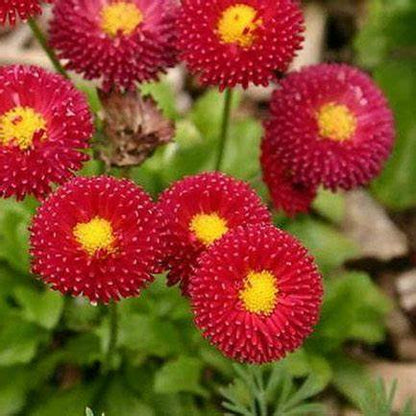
(37, 32)
(224, 127)
(112, 344)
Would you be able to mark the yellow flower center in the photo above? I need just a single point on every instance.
(238, 24)
(121, 17)
(94, 235)
(336, 122)
(259, 294)
(18, 126)
(208, 227)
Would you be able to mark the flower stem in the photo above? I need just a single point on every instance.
(37, 32)
(224, 127)
(112, 344)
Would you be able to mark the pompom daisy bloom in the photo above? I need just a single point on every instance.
(99, 237)
(286, 194)
(230, 42)
(119, 41)
(332, 125)
(256, 294)
(199, 210)
(44, 122)
(10, 10)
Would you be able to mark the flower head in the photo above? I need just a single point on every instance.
(99, 237)
(10, 10)
(44, 122)
(287, 194)
(122, 42)
(332, 125)
(256, 294)
(230, 42)
(198, 211)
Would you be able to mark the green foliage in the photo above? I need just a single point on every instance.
(52, 349)
(43, 308)
(195, 145)
(329, 246)
(378, 400)
(355, 301)
(271, 391)
(386, 46)
(162, 365)
(180, 375)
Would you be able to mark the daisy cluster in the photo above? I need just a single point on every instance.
(255, 291)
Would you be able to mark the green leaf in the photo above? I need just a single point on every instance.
(91, 95)
(121, 401)
(214, 359)
(93, 167)
(376, 399)
(180, 375)
(398, 79)
(149, 335)
(164, 96)
(43, 308)
(80, 315)
(242, 149)
(358, 303)
(207, 113)
(386, 45)
(66, 402)
(13, 390)
(185, 157)
(263, 387)
(83, 349)
(330, 247)
(14, 236)
(303, 363)
(331, 205)
(389, 27)
(350, 377)
(19, 341)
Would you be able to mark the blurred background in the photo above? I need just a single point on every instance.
(51, 348)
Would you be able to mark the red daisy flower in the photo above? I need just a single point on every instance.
(10, 10)
(332, 125)
(120, 41)
(198, 211)
(44, 122)
(290, 196)
(256, 294)
(99, 237)
(231, 42)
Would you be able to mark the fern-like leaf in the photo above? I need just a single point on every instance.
(270, 391)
